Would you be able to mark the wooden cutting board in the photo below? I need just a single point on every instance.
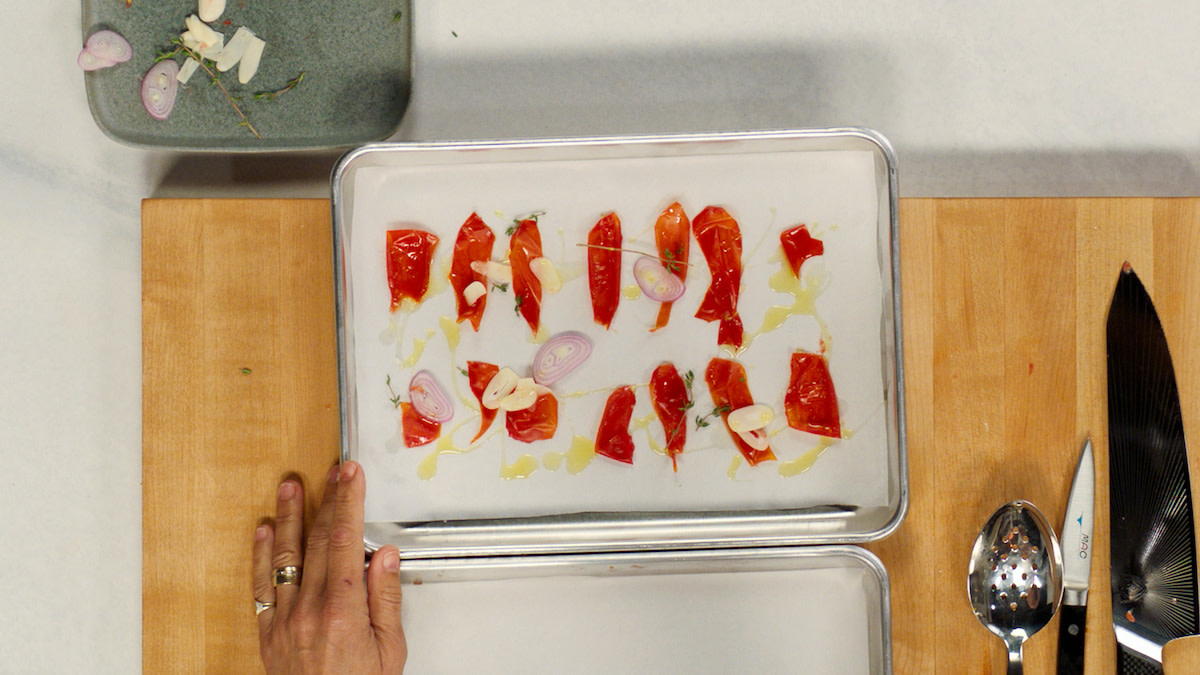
(1004, 309)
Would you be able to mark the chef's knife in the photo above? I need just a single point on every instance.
(1077, 564)
(1152, 537)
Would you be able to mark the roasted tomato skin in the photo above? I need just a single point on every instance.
(613, 440)
(417, 430)
(604, 268)
(479, 374)
(409, 258)
(720, 240)
(473, 244)
(536, 423)
(672, 236)
(810, 401)
(669, 398)
(524, 246)
(727, 384)
(799, 245)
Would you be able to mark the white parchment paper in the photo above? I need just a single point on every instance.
(833, 192)
(813, 621)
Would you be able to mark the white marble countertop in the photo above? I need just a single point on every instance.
(1025, 98)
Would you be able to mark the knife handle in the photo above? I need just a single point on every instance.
(1131, 663)
(1072, 627)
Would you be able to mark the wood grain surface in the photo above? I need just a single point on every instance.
(1004, 310)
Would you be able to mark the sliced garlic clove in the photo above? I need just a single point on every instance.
(756, 438)
(546, 273)
(185, 72)
(522, 397)
(473, 292)
(250, 58)
(236, 48)
(502, 384)
(750, 417)
(204, 36)
(499, 273)
(210, 10)
(213, 51)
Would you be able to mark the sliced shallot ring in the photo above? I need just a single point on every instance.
(89, 61)
(559, 356)
(655, 281)
(429, 399)
(159, 87)
(503, 383)
(109, 46)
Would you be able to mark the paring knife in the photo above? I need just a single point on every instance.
(1077, 564)
(1152, 537)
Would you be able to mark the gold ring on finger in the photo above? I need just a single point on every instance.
(287, 575)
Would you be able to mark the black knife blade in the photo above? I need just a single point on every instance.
(1152, 539)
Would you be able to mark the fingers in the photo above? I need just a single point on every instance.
(264, 540)
(289, 533)
(345, 563)
(317, 552)
(383, 601)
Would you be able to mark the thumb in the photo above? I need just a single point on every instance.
(383, 602)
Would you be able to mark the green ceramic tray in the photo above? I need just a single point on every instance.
(355, 55)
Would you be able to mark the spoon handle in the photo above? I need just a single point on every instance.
(1015, 666)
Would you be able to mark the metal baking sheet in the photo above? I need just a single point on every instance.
(814, 610)
(457, 498)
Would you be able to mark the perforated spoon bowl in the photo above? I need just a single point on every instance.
(1014, 578)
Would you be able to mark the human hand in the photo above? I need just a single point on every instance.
(328, 621)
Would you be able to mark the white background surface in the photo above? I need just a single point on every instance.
(980, 99)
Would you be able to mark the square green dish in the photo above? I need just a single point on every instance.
(355, 56)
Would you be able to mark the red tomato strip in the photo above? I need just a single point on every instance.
(474, 244)
(409, 256)
(810, 401)
(669, 397)
(536, 423)
(604, 268)
(798, 246)
(613, 439)
(417, 430)
(721, 241)
(727, 384)
(672, 236)
(525, 245)
(480, 374)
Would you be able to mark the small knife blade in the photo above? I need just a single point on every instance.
(1077, 564)
(1152, 537)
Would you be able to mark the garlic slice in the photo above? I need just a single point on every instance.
(501, 385)
(236, 48)
(210, 10)
(473, 292)
(496, 272)
(185, 72)
(204, 36)
(546, 273)
(522, 397)
(750, 417)
(250, 58)
(756, 438)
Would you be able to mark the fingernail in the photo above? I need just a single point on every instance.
(287, 490)
(333, 473)
(391, 561)
(348, 470)
(260, 533)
